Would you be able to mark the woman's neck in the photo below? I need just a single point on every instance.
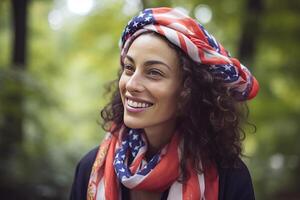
(158, 137)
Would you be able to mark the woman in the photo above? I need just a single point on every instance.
(174, 122)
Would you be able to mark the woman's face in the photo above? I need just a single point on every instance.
(150, 84)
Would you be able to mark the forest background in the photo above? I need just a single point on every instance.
(56, 57)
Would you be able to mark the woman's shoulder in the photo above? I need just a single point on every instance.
(85, 164)
(239, 168)
(235, 182)
(88, 159)
(82, 175)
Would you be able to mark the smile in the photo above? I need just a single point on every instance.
(136, 104)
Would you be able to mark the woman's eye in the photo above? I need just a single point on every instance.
(155, 73)
(128, 69)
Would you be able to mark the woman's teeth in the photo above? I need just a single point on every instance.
(135, 104)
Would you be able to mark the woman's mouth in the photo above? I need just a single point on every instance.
(136, 106)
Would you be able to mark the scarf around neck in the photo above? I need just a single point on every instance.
(112, 168)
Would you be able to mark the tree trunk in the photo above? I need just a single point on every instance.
(250, 31)
(11, 126)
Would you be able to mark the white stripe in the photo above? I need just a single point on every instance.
(201, 185)
(171, 35)
(213, 54)
(150, 27)
(180, 27)
(101, 190)
(134, 180)
(172, 14)
(175, 192)
(192, 49)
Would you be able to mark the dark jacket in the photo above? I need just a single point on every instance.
(234, 183)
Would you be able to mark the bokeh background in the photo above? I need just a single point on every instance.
(57, 56)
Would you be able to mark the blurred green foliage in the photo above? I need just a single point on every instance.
(70, 62)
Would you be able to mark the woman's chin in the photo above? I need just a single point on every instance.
(132, 124)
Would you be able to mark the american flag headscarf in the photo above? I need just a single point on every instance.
(113, 168)
(196, 42)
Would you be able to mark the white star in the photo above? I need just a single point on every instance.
(141, 15)
(122, 170)
(147, 19)
(214, 67)
(127, 30)
(135, 137)
(227, 67)
(136, 147)
(135, 24)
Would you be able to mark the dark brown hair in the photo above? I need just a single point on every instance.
(209, 118)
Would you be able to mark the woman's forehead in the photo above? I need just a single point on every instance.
(149, 46)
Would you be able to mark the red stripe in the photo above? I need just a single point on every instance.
(191, 189)
(211, 182)
(156, 180)
(254, 89)
(159, 30)
(162, 17)
(161, 10)
(237, 64)
(136, 163)
(110, 181)
(182, 42)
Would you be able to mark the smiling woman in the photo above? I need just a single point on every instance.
(151, 77)
(173, 124)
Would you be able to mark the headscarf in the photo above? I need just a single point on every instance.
(186, 33)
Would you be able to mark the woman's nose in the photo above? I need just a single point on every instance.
(134, 83)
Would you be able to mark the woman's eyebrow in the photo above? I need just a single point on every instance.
(153, 62)
(129, 58)
(149, 62)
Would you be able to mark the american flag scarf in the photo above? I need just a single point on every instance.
(111, 169)
(196, 42)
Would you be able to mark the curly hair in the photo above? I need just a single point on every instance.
(209, 117)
